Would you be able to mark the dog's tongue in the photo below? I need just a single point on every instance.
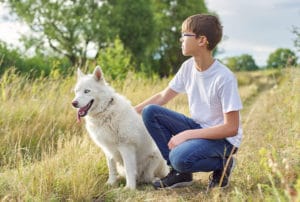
(82, 112)
(78, 117)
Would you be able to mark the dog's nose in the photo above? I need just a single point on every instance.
(75, 103)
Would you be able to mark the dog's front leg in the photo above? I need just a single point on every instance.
(129, 159)
(112, 170)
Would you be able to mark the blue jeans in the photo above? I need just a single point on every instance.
(195, 155)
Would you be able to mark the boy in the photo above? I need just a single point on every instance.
(206, 141)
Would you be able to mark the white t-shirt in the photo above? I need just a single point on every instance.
(211, 93)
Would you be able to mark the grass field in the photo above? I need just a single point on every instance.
(46, 156)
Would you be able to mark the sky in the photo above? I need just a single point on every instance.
(256, 27)
(253, 27)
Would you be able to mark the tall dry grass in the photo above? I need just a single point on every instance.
(46, 156)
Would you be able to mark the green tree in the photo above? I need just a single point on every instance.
(135, 25)
(232, 63)
(243, 62)
(68, 27)
(8, 57)
(115, 61)
(296, 31)
(281, 57)
(247, 63)
(169, 15)
(32, 66)
(150, 30)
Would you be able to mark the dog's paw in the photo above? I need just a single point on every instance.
(148, 179)
(130, 187)
(111, 181)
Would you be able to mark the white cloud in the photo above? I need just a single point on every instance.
(256, 27)
(10, 32)
(11, 28)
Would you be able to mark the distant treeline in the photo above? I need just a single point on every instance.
(36, 66)
(148, 30)
(125, 35)
(116, 62)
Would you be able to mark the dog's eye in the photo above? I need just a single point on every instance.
(86, 91)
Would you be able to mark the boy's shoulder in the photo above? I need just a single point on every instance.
(187, 65)
(223, 68)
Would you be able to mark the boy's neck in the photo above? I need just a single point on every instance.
(203, 62)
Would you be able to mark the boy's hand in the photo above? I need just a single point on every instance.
(177, 140)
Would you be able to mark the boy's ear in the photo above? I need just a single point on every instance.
(79, 73)
(202, 41)
(98, 75)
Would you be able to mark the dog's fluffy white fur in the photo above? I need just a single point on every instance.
(118, 130)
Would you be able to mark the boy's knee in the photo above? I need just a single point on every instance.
(148, 111)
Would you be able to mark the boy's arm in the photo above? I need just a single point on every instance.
(228, 129)
(160, 98)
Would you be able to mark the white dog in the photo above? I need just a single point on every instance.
(117, 128)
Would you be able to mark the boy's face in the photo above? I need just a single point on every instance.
(192, 45)
(189, 43)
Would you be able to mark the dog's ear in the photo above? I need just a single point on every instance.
(79, 73)
(98, 73)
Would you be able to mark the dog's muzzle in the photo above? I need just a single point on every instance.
(82, 111)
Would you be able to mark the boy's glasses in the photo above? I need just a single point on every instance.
(186, 35)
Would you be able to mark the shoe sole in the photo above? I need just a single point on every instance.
(177, 185)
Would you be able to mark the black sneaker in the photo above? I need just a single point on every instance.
(215, 179)
(174, 179)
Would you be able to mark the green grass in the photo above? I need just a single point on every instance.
(46, 156)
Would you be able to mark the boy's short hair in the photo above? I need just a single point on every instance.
(204, 25)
